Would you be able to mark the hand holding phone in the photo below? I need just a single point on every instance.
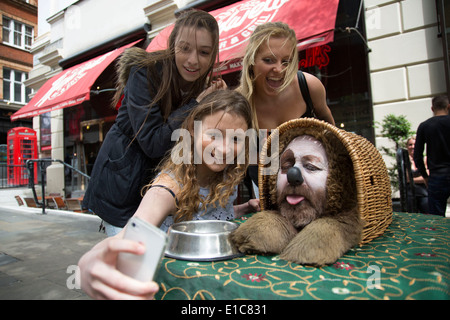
(142, 267)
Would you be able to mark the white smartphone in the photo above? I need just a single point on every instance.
(142, 267)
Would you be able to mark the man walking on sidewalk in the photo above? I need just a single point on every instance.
(435, 133)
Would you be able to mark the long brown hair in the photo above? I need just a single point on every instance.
(161, 67)
(223, 183)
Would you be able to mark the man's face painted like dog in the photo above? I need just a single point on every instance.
(301, 181)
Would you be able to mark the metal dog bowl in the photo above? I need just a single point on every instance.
(201, 240)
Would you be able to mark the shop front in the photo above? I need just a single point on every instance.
(342, 66)
(81, 96)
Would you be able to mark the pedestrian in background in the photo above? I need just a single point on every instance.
(435, 134)
(420, 188)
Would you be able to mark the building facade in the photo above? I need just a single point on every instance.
(78, 31)
(407, 63)
(19, 26)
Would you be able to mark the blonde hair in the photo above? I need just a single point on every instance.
(224, 182)
(262, 34)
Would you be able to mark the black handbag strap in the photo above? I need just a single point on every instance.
(305, 93)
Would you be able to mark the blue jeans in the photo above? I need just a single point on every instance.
(110, 229)
(438, 193)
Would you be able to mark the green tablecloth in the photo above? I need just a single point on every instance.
(410, 261)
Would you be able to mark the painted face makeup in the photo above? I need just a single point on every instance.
(302, 201)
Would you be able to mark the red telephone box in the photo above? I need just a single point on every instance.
(22, 146)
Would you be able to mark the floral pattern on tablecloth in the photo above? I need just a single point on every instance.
(410, 261)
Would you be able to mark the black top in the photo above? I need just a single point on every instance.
(309, 113)
(435, 133)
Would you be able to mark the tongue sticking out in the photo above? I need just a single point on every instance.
(293, 199)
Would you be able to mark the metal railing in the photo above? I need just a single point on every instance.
(12, 176)
(41, 162)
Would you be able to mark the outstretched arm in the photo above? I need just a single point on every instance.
(99, 276)
(250, 206)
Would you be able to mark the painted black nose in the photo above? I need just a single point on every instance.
(294, 176)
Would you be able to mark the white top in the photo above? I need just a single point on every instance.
(211, 212)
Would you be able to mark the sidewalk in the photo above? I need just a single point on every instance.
(38, 252)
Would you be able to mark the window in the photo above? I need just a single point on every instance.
(342, 66)
(14, 89)
(6, 84)
(17, 34)
(6, 29)
(28, 37)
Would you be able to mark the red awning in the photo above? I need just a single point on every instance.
(70, 87)
(312, 20)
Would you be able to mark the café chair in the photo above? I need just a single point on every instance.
(19, 200)
(31, 203)
(74, 205)
(59, 203)
(405, 182)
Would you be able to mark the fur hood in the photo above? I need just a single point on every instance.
(135, 57)
(131, 57)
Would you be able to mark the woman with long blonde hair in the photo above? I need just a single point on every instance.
(276, 89)
(271, 82)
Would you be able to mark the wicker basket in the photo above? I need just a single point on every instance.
(372, 181)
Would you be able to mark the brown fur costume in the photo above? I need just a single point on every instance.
(330, 234)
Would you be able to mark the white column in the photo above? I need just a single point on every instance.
(55, 172)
